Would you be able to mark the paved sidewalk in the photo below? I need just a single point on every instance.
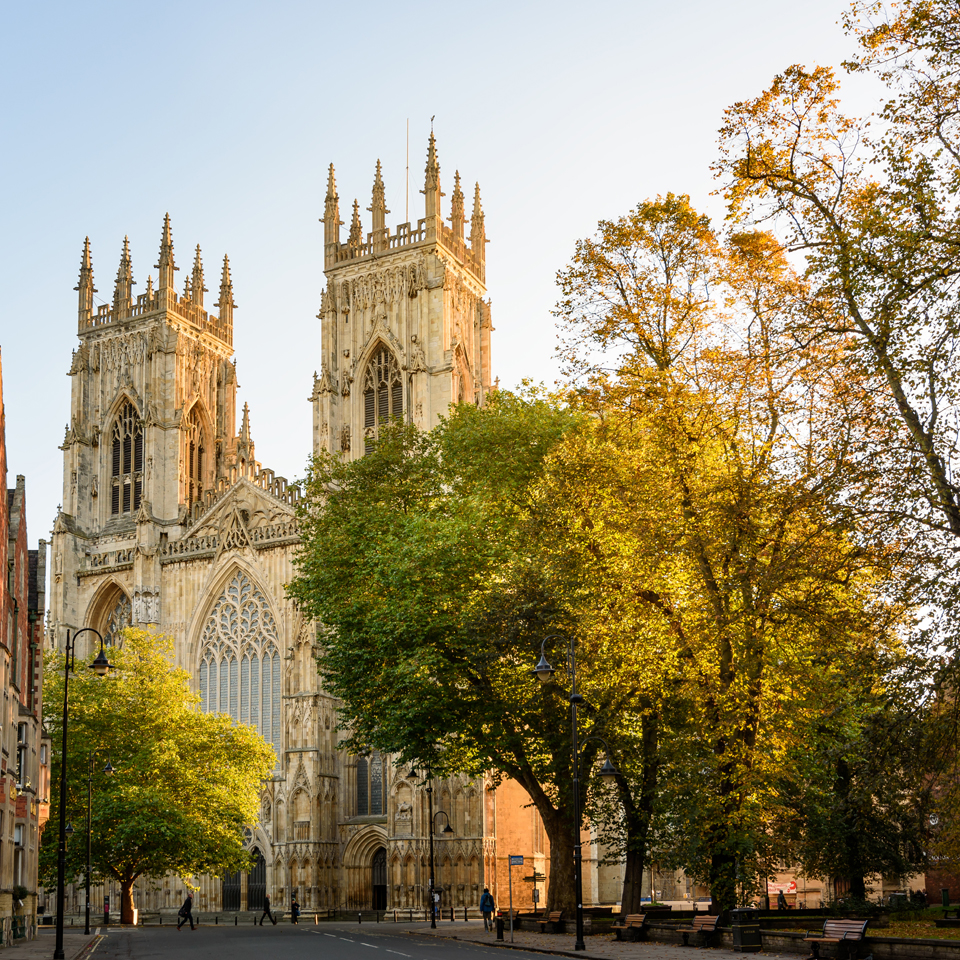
(599, 947)
(76, 946)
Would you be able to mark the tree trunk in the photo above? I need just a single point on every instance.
(723, 882)
(851, 840)
(561, 889)
(126, 900)
(637, 816)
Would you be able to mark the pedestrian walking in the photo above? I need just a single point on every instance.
(266, 910)
(294, 911)
(186, 913)
(781, 901)
(436, 904)
(487, 906)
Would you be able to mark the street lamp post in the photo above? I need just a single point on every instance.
(100, 666)
(446, 829)
(108, 769)
(544, 672)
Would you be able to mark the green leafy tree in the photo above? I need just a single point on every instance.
(185, 785)
(434, 563)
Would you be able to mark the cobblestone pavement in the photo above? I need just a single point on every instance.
(599, 947)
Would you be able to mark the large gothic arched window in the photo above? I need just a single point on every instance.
(382, 394)
(239, 660)
(370, 798)
(126, 467)
(194, 456)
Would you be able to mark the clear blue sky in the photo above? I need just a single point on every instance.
(227, 114)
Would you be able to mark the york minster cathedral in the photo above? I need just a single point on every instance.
(169, 522)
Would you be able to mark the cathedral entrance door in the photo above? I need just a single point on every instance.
(231, 891)
(380, 879)
(257, 884)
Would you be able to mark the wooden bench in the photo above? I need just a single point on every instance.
(841, 932)
(553, 922)
(631, 928)
(704, 926)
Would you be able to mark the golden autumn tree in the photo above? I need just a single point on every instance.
(742, 555)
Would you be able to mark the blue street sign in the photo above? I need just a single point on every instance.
(516, 861)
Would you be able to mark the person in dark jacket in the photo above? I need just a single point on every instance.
(487, 907)
(294, 911)
(266, 910)
(186, 913)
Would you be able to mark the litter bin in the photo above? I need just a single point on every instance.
(745, 922)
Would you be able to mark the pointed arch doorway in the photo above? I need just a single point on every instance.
(257, 882)
(379, 869)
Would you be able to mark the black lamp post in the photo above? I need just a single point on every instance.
(100, 666)
(544, 672)
(446, 829)
(108, 769)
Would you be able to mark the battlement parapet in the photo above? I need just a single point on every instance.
(383, 241)
(148, 304)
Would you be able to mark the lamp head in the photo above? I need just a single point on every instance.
(68, 829)
(447, 829)
(108, 769)
(608, 769)
(543, 671)
(101, 666)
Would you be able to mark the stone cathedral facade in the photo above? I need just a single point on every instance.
(169, 522)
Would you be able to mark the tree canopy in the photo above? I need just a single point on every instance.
(185, 785)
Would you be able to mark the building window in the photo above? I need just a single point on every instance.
(370, 786)
(126, 469)
(194, 456)
(382, 395)
(119, 618)
(21, 753)
(240, 661)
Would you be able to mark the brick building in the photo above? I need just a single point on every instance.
(24, 750)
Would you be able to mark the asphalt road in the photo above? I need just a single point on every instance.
(325, 941)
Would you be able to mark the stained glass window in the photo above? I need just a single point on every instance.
(239, 659)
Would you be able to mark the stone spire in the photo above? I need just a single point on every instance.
(166, 266)
(196, 286)
(431, 187)
(478, 237)
(85, 285)
(123, 287)
(356, 228)
(456, 208)
(225, 303)
(244, 441)
(331, 220)
(378, 206)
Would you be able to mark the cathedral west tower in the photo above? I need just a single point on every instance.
(405, 326)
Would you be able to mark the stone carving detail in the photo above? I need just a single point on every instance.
(239, 660)
(146, 607)
(418, 361)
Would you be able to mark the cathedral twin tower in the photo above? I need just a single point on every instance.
(168, 520)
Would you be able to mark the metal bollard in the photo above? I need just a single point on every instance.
(235, 919)
(378, 916)
(359, 918)
(216, 920)
(465, 917)
(499, 928)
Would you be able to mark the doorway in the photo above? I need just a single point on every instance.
(380, 879)
(257, 884)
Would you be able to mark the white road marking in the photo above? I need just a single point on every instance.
(362, 944)
(398, 953)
